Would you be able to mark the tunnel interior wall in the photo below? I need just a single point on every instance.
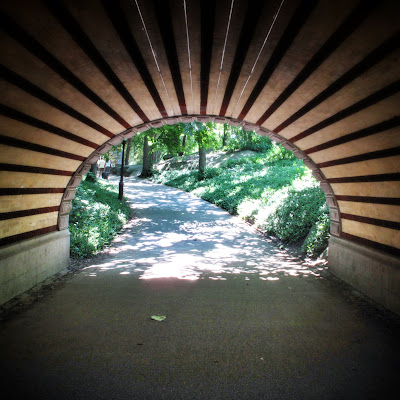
(372, 272)
(29, 262)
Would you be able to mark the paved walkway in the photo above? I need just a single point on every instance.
(244, 319)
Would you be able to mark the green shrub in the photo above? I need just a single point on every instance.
(230, 163)
(278, 152)
(212, 172)
(294, 217)
(91, 177)
(96, 217)
(248, 141)
(317, 240)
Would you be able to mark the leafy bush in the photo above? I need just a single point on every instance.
(233, 162)
(293, 218)
(212, 172)
(96, 217)
(91, 177)
(278, 152)
(317, 240)
(247, 140)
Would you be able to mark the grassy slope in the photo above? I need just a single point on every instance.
(279, 195)
(96, 217)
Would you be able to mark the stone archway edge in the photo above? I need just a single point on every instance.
(70, 190)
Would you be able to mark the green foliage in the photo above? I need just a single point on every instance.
(173, 140)
(182, 139)
(233, 162)
(170, 137)
(204, 134)
(317, 239)
(96, 217)
(240, 139)
(278, 152)
(91, 177)
(293, 217)
(212, 172)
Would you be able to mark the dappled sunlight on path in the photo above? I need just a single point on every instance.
(177, 235)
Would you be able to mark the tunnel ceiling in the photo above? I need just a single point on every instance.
(323, 75)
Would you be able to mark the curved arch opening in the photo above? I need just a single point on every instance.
(65, 207)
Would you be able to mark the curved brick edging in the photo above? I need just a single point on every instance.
(70, 190)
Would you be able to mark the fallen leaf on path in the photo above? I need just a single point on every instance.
(158, 317)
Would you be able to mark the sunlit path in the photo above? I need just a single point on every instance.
(245, 320)
(179, 236)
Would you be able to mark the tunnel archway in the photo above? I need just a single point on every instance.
(320, 77)
(69, 194)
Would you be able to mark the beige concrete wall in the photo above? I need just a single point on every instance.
(29, 262)
(373, 273)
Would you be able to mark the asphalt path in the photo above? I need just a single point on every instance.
(244, 319)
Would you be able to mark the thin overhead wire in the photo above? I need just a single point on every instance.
(223, 55)
(154, 54)
(258, 55)
(188, 48)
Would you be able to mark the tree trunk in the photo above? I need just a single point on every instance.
(147, 159)
(156, 157)
(202, 163)
(225, 137)
(92, 174)
(183, 145)
(128, 151)
(245, 136)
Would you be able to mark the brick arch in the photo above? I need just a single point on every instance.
(69, 194)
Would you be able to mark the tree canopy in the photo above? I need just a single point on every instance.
(187, 138)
